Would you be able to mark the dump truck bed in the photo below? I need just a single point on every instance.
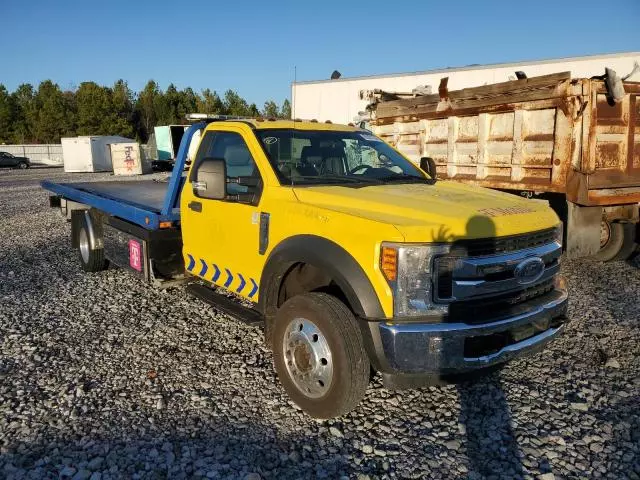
(551, 133)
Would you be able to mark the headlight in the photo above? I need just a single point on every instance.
(559, 233)
(408, 270)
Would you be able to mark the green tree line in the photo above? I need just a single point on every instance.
(47, 113)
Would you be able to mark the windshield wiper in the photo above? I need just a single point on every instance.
(403, 177)
(336, 179)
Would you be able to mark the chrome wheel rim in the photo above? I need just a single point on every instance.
(83, 243)
(307, 357)
(605, 233)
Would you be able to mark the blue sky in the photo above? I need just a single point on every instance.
(253, 46)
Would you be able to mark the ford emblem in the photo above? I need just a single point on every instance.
(529, 270)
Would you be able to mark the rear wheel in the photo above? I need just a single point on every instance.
(91, 260)
(319, 355)
(617, 241)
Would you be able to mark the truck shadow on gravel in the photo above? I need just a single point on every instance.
(219, 450)
(491, 446)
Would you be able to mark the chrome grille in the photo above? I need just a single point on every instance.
(473, 283)
(479, 311)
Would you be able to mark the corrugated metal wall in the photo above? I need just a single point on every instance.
(339, 100)
(48, 154)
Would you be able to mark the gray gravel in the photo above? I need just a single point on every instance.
(102, 376)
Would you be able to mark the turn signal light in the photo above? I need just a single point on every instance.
(165, 224)
(389, 263)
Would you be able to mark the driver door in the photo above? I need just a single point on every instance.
(221, 237)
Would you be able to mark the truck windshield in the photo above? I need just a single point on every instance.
(319, 157)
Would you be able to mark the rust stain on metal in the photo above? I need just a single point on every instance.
(610, 114)
(607, 155)
(539, 137)
(600, 138)
(631, 144)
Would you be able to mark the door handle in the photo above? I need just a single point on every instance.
(195, 206)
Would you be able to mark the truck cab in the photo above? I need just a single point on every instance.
(354, 258)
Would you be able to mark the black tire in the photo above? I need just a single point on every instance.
(23, 165)
(91, 260)
(348, 358)
(620, 242)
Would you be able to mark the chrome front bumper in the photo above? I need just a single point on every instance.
(439, 348)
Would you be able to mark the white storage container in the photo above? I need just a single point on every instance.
(129, 159)
(89, 153)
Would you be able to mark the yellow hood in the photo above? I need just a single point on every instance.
(443, 212)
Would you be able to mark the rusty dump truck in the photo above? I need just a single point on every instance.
(574, 142)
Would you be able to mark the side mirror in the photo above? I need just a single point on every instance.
(428, 165)
(210, 179)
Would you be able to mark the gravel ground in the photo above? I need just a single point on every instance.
(102, 376)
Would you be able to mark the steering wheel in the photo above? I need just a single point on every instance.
(362, 167)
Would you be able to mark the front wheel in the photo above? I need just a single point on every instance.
(23, 165)
(319, 355)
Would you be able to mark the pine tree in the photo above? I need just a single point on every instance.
(7, 115)
(286, 110)
(270, 109)
(51, 113)
(146, 109)
(25, 114)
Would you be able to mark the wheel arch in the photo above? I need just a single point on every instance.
(330, 258)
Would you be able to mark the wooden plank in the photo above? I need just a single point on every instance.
(559, 102)
(537, 88)
(385, 110)
(513, 86)
(501, 88)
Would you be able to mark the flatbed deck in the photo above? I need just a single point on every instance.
(146, 203)
(146, 194)
(143, 203)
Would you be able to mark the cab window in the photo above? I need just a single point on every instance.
(231, 147)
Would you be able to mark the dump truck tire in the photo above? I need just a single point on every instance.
(319, 355)
(91, 260)
(619, 241)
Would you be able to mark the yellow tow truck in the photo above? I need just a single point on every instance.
(353, 258)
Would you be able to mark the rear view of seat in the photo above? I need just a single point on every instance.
(238, 160)
(239, 164)
(310, 160)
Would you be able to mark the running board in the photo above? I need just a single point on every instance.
(225, 304)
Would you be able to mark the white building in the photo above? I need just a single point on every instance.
(339, 100)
